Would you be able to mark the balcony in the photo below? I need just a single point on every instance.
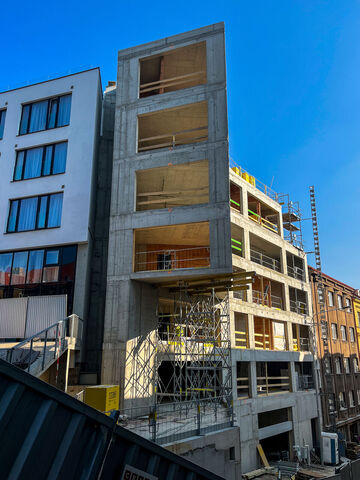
(263, 215)
(237, 240)
(172, 247)
(235, 197)
(265, 261)
(295, 267)
(298, 301)
(242, 379)
(301, 338)
(268, 293)
(173, 127)
(304, 376)
(172, 186)
(272, 378)
(265, 253)
(173, 70)
(272, 301)
(241, 331)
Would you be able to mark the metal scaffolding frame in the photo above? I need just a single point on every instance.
(292, 219)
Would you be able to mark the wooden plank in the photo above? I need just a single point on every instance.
(262, 456)
(180, 77)
(173, 192)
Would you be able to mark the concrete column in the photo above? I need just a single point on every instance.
(283, 261)
(290, 337)
(286, 297)
(244, 202)
(247, 244)
(252, 380)
(251, 331)
(292, 376)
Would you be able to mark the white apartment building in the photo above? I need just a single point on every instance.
(48, 148)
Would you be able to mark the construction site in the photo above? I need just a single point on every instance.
(200, 299)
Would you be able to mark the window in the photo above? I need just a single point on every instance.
(343, 333)
(342, 401)
(337, 366)
(348, 304)
(40, 161)
(2, 122)
(46, 114)
(331, 299)
(334, 331)
(352, 334)
(351, 398)
(339, 299)
(347, 365)
(41, 266)
(356, 365)
(35, 213)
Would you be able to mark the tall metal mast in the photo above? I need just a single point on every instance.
(328, 390)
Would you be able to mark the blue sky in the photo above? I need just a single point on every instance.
(293, 71)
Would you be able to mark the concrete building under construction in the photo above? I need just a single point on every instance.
(207, 311)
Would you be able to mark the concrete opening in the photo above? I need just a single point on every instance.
(176, 69)
(295, 267)
(265, 253)
(241, 330)
(235, 197)
(237, 240)
(242, 379)
(272, 378)
(270, 334)
(298, 301)
(173, 127)
(301, 337)
(277, 447)
(172, 186)
(304, 375)
(172, 247)
(263, 215)
(268, 293)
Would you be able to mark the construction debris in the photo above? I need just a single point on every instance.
(352, 450)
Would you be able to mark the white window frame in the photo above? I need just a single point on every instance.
(330, 298)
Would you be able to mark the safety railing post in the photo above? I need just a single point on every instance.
(154, 418)
(44, 354)
(56, 339)
(198, 426)
(29, 361)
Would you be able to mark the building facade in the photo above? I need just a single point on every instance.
(341, 402)
(48, 145)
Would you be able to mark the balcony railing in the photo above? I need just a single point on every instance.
(265, 261)
(254, 181)
(240, 295)
(242, 384)
(267, 300)
(298, 307)
(172, 259)
(305, 382)
(234, 204)
(183, 137)
(296, 272)
(236, 247)
(158, 85)
(269, 385)
(302, 346)
(262, 341)
(263, 222)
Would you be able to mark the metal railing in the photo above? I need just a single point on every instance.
(240, 295)
(305, 382)
(236, 247)
(234, 204)
(302, 346)
(199, 134)
(298, 307)
(169, 422)
(265, 260)
(268, 385)
(263, 222)
(241, 339)
(254, 181)
(267, 300)
(296, 272)
(172, 259)
(242, 385)
(36, 352)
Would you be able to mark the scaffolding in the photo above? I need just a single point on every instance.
(193, 360)
(292, 218)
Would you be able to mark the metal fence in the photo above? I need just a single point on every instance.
(169, 422)
(265, 260)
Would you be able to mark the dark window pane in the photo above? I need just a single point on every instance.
(2, 123)
(60, 158)
(12, 216)
(27, 214)
(47, 161)
(64, 110)
(50, 274)
(33, 163)
(68, 264)
(24, 119)
(42, 212)
(35, 266)
(38, 116)
(5, 268)
(52, 113)
(19, 165)
(52, 257)
(18, 273)
(55, 209)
